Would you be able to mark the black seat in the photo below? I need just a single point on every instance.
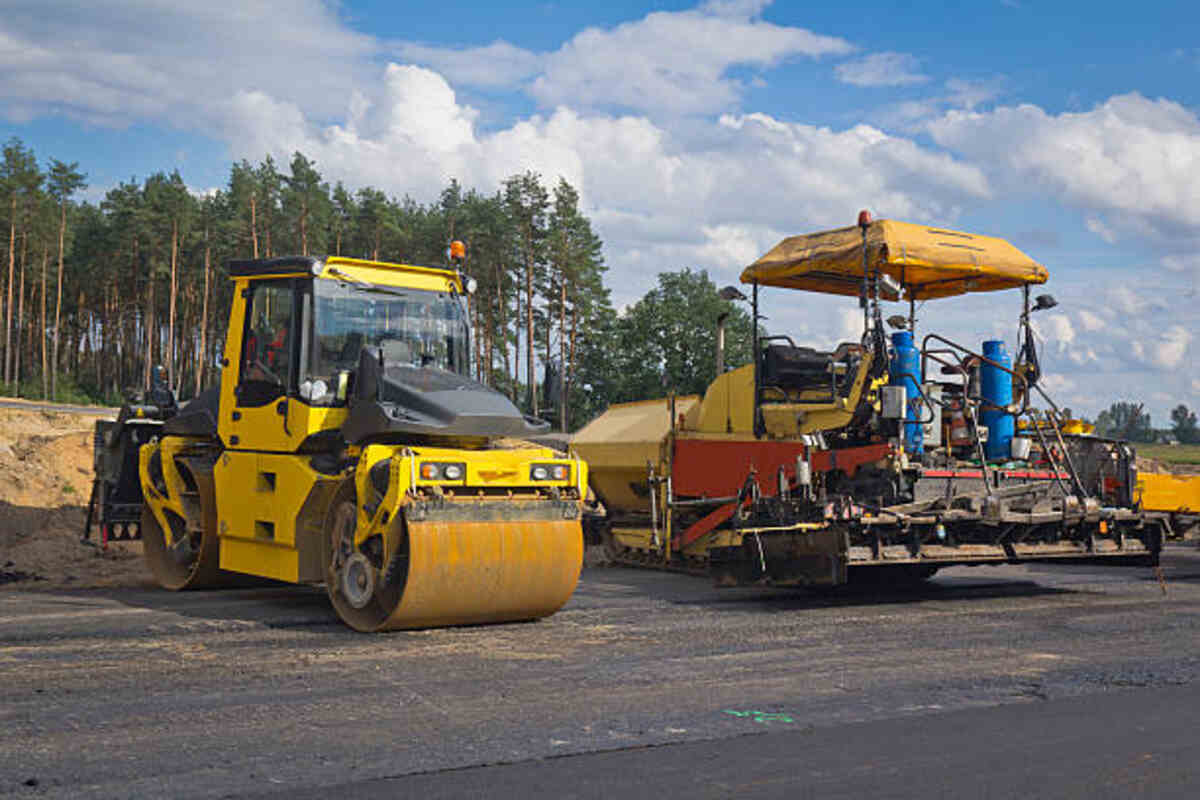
(788, 367)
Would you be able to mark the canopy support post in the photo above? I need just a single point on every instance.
(757, 356)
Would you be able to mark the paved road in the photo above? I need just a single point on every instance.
(999, 681)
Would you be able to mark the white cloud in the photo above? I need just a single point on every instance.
(667, 62)
(1127, 301)
(712, 195)
(1166, 350)
(115, 62)
(1056, 384)
(1132, 159)
(1182, 262)
(955, 93)
(1056, 328)
(882, 69)
(497, 65)
(1097, 226)
(1090, 322)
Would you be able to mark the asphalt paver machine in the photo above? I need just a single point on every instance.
(887, 457)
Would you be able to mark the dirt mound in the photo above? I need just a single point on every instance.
(45, 480)
(1145, 464)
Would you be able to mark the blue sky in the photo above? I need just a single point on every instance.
(698, 134)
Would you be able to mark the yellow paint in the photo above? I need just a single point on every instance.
(271, 505)
(263, 427)
(1174, 493)
(468, 572)
(927, 261)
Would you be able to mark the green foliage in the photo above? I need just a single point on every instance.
(117, 274)
(1183, 425)
(69, 391)
(665, 342)
(1125, 420)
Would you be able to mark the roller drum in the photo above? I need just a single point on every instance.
(452, 569)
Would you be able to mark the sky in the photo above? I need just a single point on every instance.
(699, 135)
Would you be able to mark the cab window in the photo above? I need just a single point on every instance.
(269, 344)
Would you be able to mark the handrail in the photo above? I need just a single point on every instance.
(983, 359)
(928, 354)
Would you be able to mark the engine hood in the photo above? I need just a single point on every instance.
(394, 402)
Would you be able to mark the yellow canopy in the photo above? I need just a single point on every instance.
(928, 262)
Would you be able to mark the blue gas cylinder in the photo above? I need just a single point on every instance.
(996, 387)
(903, 371)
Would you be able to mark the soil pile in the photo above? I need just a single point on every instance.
(45, 481)
(1145, 464)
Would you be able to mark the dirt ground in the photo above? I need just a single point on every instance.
(45, 480)
(1155, 465)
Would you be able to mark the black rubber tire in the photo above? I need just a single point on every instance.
(343, 511)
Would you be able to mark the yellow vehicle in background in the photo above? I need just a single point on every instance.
(348, 445)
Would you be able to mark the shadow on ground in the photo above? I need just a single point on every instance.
(271, 604)
(693, 591)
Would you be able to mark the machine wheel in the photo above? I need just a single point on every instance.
(355, 585)
(188, 560)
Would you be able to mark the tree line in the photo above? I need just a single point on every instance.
(1128, 420)
(97, 293)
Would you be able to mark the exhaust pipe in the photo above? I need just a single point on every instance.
(721, 343)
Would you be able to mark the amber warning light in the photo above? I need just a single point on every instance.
(864, 218)
(458, 250)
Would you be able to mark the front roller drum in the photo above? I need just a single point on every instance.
(451, 570)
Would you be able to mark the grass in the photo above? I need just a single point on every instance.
(1171, 454)
(68, 391)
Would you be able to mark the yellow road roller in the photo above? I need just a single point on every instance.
(347, 444)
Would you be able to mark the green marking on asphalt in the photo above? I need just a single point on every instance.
(761, 717)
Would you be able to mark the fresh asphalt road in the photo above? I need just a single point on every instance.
(987, 682)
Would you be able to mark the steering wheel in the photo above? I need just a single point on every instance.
(268, 374)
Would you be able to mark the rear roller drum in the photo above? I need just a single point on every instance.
(182, 559)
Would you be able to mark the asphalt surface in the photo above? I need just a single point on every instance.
(989, 682)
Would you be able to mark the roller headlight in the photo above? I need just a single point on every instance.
(439, 471)
(550, 472)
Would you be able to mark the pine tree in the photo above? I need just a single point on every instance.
(527, 202)
(63, 180)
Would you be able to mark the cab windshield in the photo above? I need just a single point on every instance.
(414, 329)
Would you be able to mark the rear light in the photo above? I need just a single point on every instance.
(550, 472)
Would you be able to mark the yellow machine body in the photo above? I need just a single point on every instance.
(491, 544)
(1177, 494)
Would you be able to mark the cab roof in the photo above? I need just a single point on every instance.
(315, 265)
(927, 261)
